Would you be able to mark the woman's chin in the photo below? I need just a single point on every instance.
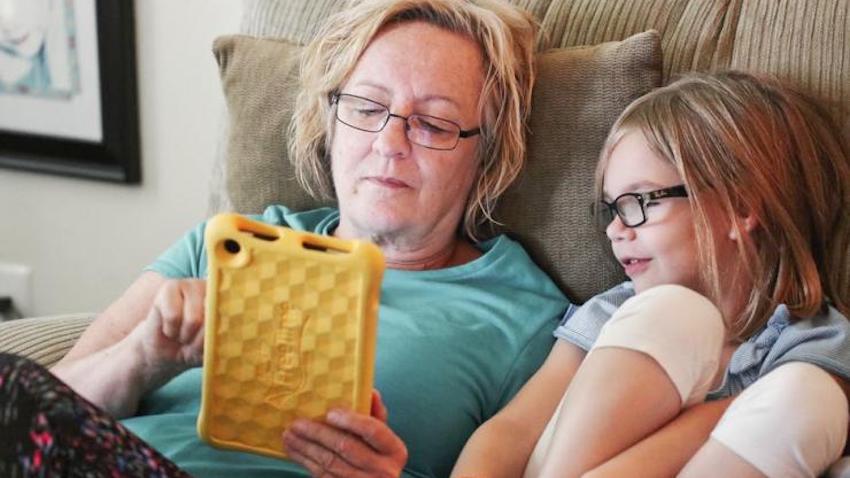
(384, 225)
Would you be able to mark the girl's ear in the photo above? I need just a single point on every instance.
(746, 224)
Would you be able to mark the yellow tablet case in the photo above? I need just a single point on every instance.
(291, 319)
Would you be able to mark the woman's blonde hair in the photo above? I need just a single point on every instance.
(753, 146)
(506, 36)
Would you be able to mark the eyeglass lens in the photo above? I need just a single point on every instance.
(628, 207)
(371, 116)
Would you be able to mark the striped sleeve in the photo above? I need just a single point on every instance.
(581, 325)
(823, 340)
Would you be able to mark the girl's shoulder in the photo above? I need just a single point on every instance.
(581, 324)
(602, 306)
(614, 296)
(783, 322)
(823, 340)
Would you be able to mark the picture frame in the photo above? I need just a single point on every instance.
(79, 118)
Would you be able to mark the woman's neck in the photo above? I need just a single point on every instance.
(417, 261)
(457, 252)
(422, 253)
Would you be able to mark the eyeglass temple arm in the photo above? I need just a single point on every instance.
(675, 191)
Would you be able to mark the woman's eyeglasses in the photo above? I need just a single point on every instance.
(428, 131)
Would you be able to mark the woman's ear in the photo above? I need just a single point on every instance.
(746, 224)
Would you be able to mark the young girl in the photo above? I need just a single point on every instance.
(726, 198)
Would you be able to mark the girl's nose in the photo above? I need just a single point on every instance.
(617, 231)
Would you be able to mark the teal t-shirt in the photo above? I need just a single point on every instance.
(454, 345)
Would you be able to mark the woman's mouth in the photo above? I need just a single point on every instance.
(387, 182)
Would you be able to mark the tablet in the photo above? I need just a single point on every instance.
(290, 329)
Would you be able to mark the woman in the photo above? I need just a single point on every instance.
(412, 115)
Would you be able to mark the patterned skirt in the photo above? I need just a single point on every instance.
(46, 429)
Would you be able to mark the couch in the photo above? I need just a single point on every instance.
(593, 61)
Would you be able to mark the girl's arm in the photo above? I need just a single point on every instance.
(502, 445)
(845, 386)
(718, 459)
(665, 452)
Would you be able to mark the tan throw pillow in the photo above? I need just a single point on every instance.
(259, 79)
(579, 93)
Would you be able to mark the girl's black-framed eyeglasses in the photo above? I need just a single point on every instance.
(631, 207)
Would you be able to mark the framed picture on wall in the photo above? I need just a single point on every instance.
(68, 101)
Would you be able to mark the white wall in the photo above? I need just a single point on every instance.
(85, 240)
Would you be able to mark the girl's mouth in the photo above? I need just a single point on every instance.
(634, 266)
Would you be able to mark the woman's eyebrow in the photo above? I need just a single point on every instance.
(370, 84)
(443, 98)
(424, 99)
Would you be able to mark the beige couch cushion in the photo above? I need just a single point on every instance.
(43, 339)
(258, 77)
(579, 93)
(803, 42)
(690, 29)
(298, 20)
(806, 43)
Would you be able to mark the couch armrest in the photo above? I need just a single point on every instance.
(43, 339)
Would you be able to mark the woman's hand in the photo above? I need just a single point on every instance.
(171, 338)
(149, 335)
(348, 444)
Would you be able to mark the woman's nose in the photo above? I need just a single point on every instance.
(617, 231)
(392, 141)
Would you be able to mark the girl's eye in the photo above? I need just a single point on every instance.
(652, 203)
